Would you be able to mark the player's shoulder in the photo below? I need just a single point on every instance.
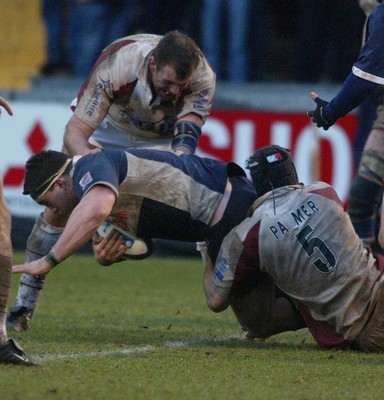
(378, 10)
(101, 159)
(126, 56)
(377, 15)
(139, 38)
(204, 76)
(317, 185)
(324, 190)
(140, 43)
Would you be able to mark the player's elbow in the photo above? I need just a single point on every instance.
(102, 212)
(217, 303)
(68, 135)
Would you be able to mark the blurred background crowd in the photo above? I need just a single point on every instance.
(304, 40)
(287, 40)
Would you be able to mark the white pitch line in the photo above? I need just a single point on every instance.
(125, 351)
(132, 350)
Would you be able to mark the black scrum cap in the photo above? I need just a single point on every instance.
(271, 167)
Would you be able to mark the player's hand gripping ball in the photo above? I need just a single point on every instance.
(137, 248)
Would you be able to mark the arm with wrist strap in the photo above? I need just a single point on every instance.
(187, 134)
(51, 258)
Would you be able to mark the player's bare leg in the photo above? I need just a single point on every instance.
(5, 262)
(10, 351)
(47, 229)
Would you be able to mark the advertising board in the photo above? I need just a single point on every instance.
(228, 135)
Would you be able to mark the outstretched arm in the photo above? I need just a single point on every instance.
(94, 207)
(366, 78)
(353, 92)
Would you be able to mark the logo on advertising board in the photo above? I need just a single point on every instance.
(234, 135)
(32, 128)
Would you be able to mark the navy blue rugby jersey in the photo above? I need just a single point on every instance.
(160, 194)
(370, 63)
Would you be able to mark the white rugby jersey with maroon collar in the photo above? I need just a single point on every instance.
(117, 89)
(303, 238)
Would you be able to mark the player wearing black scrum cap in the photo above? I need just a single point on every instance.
(299, 241)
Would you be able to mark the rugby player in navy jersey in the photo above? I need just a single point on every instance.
(366, 80)
(152, 193)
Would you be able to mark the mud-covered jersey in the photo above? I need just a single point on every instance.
(118, 89)
(164, 194)
(303, 239)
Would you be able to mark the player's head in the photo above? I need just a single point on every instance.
(180, 51)
(42, 170)
(172, 64)
(271, 167)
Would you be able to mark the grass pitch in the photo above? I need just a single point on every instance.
(141, 330)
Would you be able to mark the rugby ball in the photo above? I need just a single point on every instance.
(136, 248)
